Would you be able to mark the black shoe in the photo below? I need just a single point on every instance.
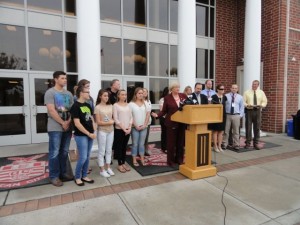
(236, 148)
(229, 147)
(79, 184)
(223, 147)
(147, 154)
(88, 181)
(247, 146)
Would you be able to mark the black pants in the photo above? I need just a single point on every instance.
(175, 144)
(163, 135)
(121, 141)
(253, 116)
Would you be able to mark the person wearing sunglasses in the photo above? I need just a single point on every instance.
(218, 128)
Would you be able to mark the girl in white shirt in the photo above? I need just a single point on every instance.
(105, 136)
(140, 114)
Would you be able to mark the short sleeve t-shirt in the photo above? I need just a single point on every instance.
(62, 101)
(84, 113)
(106, 112)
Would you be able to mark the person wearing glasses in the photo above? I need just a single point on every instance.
(218, 128)
(82, 115)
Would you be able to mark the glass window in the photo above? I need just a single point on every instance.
(111, 55)
(158, 14)
(110, 10)
(45, 5)
(72, 81)
(211, 64)
(41, 86)
(70, 7)
(174, 15)
(212, 22)
(45, 50)
(134, 12)
(202, 20)
(202, 63)
(135, 57)
(131, 86)
(12, 47)
(158, 59)
(71, 52)
(105, 84)
(12, 124)
(212, 2)
(173, 60)
(14, 3)
(11, 92)
(156, 88)
(203, 1)
(41, 122)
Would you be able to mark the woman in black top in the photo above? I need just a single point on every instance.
(218, 128)
(85, 127)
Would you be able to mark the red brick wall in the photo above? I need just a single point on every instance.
(226, 30)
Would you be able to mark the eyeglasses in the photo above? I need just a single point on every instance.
(221, 89)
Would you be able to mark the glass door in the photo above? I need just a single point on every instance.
(130, 84)
(39, 84)
(14, 109)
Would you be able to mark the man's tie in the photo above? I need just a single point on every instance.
(254, 99)
(232, 108)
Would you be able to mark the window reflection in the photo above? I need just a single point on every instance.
(158, 59)
(158, 14)
(156, 88)
(110, 10)
(71, 52)
(174, 15)
(12, 47)
(70, 7)
(211, 64)
(45, 50)
(72, 81)
(212, 22)
(53, 6)
(135, 61)
(12, 124)
(11, 92)
(202, 63)
(202, 20)
(13, 3)
(203, 1)
(41, 86)
(173, 61)
(131, 86)
(41, 123)
(134, 12)
(111, 55)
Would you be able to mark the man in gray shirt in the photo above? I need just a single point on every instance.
(58, 102)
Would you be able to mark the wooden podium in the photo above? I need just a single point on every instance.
(198, 138)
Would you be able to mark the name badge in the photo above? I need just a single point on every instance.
(209, 99)
(232, 104)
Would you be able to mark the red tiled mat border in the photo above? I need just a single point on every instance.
(56, 200)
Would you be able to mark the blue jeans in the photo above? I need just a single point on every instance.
(138, 141)
(84, 147)
(59, 143)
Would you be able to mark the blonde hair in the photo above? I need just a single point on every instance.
(173, 85)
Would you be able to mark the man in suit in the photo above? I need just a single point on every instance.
(197, 97)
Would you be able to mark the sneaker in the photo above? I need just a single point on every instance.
(56, 182)
(104, 174)
(110, 172)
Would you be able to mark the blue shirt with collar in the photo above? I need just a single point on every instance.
(206, 91)
(238, 104)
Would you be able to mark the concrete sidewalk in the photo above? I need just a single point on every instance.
(263, 188)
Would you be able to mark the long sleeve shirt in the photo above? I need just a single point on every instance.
(260, 96)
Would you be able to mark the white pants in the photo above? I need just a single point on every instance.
(105, 141)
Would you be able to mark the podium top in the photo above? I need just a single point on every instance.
(199, 114)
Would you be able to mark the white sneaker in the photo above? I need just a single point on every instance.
(110, 172)
(104, 174)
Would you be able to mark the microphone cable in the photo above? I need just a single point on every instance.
(223, 191)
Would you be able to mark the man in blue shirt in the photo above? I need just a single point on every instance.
(234, 108)
(208, 91)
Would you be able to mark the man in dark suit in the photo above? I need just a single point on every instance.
(197, 97)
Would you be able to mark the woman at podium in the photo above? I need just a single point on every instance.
(175, 131)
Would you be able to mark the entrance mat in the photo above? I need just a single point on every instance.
(155, 163)
(25, 171)
(262, 144)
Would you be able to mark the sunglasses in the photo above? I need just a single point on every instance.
(221, 89)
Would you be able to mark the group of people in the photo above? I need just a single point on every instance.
(226, 135)
(111, 120)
